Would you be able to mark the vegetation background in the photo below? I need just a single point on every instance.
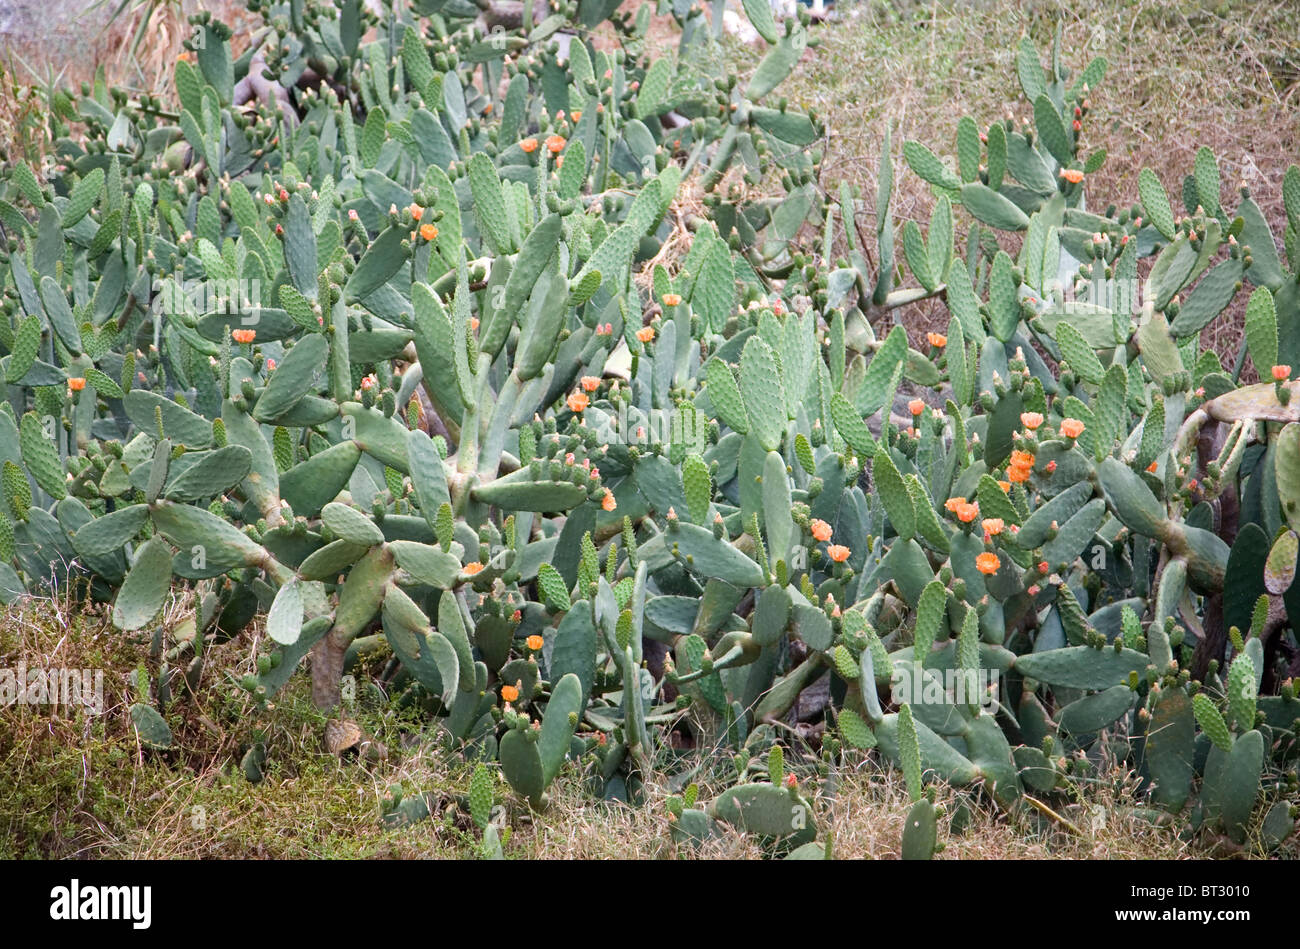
(1183, 73)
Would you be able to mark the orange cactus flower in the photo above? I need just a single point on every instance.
(937, 340)
(576, 115)
(472, 568)
(1152, 467)
(607, 502)
(555, 144)
(820, 530)
(417, 212)
(645, 334)
(992, 525)
(1021, 459)
(1281, 373)
(509, 693)
(672, 299)
(1072, 428)
(916, 406)
(952, 504)
(1031, 420)
(967, 512)
(577, 401)
(534, 642)
(243, 336)
(428, 231)
(590, 383)
(76, 383)
(838, 552)
(987, 563)
(1072, 175)
(529, 145)
(1019, 475)
(1005, 486)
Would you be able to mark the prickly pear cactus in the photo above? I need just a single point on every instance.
(396, 363)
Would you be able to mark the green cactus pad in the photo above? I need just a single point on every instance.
(146, 586)
(1082, 667)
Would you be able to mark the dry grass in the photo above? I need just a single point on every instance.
(1182, 74)
(80, 785)
(63, 43)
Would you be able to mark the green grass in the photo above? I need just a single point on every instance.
(80, 785)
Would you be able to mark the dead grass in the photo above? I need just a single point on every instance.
(1182, 74)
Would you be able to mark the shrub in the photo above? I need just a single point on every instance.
(398, 358)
